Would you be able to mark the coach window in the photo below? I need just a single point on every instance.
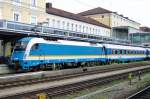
(124, 51)
(120, 51)
(129, 52)
(116, 52)
(113, 51)
(135, 52)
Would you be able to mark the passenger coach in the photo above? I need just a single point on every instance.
(122, 53)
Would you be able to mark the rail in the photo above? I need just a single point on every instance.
(79, 85)
(21, 82)
(143, 94)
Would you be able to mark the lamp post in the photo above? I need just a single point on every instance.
(40, 24)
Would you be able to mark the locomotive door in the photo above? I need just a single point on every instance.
(104, 52)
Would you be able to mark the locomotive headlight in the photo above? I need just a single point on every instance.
(16, 58)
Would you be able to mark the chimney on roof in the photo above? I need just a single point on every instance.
(48, 5)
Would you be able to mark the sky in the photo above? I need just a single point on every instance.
(137, 10)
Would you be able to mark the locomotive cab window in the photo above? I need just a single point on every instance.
(20, 46)
(35, 46)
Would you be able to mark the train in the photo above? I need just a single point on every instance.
(33, 53)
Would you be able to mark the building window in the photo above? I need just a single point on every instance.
(0, 14)
(96, 31)
(33, 20)
(86, 29)
(83, 28)
(99, 32)
(79, 28)
(93, 30)
(90, 30)
(16, 1)
(68, 26)
(16, 17)
(58, 24)
(76, 27)
(63, 25)
(48, 20)
(33, 3)
(72, 26)
(53, 23)
(102, 16)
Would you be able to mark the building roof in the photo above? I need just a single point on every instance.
(65, 14)
(94, 11)
(145, 29)
(100, 10)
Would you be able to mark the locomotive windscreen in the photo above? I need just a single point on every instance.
(20, 46)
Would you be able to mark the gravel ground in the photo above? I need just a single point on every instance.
(115, 90)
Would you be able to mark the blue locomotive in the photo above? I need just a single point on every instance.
(36, 53)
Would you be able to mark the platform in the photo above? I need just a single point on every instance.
(4, 69)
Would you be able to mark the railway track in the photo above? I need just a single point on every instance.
(143, 94)
(17, 83)
(65, 89)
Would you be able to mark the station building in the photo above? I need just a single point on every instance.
(142, 37)
(24, 11)
(38, 11)
(60, 19)
(121, 26)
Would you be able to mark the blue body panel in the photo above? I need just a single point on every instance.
(17, 55)
(63, 50)
(55, 49)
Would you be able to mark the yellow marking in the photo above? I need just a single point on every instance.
(81, 56)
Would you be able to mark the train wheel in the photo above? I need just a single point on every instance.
(42, 67)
